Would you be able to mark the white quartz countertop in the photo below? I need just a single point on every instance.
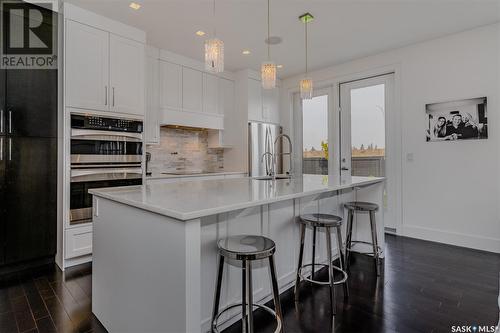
(215, 196)
(159, 175)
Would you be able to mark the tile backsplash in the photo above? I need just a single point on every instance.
(184, 149)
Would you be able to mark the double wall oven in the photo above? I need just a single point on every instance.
(105, 152)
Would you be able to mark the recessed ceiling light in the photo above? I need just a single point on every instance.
(279, 66)
(246, 52)
(134, 5)
(200, 33)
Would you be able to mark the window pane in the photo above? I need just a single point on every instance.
(315, 135)
(368, 131)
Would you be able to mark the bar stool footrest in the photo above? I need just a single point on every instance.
(260, 306)
(323, 283)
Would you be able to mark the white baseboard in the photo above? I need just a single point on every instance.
(77, 261)
(453, 238)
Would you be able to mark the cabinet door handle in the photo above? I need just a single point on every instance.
(1, 121)
(344, 169)
(10, 149)
(105, 95)
(1, 149)
(10, 121)
(113, 96)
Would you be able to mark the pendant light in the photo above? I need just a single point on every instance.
(214, 51)
(306, 84)
(268, 68)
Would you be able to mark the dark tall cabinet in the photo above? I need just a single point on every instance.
(28, 166)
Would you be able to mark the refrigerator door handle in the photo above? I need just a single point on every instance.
(10, 149)
(10, 121)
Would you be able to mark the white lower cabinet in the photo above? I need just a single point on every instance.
(78, 241)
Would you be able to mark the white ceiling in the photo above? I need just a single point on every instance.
(342, 30)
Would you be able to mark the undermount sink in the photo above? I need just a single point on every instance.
(271, 178)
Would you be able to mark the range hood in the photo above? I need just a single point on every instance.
(192, 119)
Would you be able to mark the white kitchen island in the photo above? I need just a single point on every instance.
(155, 253)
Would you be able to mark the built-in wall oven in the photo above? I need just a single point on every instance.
(105, 152)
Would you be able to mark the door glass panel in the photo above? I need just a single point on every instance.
(315, 135)
(368, 131)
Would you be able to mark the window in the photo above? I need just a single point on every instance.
(315, 135)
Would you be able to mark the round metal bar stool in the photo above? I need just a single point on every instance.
(247, 248)
(370, 208)
(328, 222)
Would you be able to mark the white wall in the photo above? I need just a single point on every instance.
(450, 191)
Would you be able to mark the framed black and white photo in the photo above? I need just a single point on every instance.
(465, 119)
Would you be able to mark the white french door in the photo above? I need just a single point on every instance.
(369, 138)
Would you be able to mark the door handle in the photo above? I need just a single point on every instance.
(10, 149)
(1, 121)
(105, 95)
(113, 96)
(344, 169)
(1, 149)
(10, 121)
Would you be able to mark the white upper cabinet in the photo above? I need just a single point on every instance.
(263, 104)
(210, 93)
(126, 75)
(86, 71)
(152, 125)
(226, 97)
(170, 85)
(270, 105)
(254, 100)
(190, 96)
(192, 90)
(103, 71)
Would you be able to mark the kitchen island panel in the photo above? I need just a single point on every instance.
(140, 263)
(144, 259)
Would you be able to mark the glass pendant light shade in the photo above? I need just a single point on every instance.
(268, 68)
(306, 88)
(306, 84)
(268, 75)
(214, 55)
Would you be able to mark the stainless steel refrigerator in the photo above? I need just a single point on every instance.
(261, 137)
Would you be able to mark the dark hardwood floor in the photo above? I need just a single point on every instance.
(426, 287)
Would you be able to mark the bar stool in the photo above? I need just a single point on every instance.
(247, 248)
(326, 221)
(371, 208)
